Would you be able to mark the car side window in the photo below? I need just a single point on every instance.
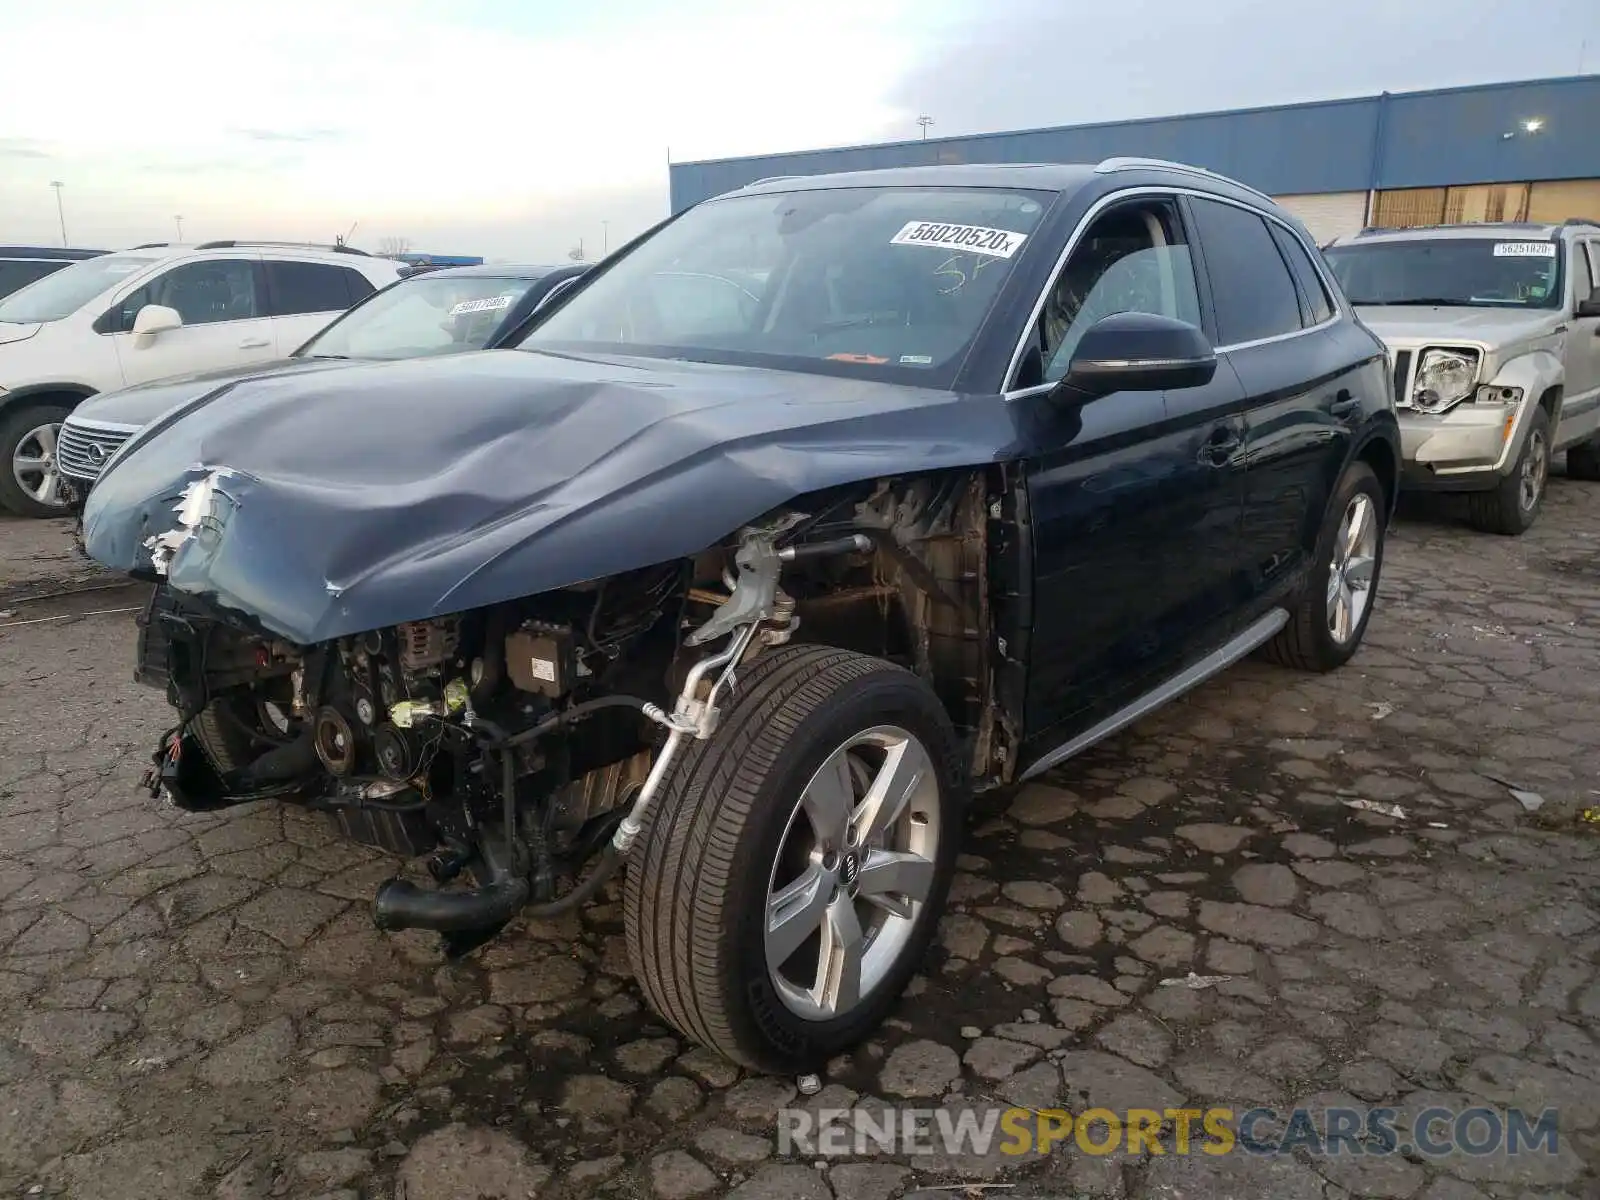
(1591, 260)
(1133, 258)
(300, 287)
(357, 286)
(202, 293)
(1319, 305)
(1252, 289)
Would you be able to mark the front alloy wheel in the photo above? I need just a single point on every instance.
(856, 866)
(1514, 503)
(793, 868)
(30, 485)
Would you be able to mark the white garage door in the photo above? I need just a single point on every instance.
(1328, 214)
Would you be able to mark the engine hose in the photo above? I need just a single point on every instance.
(562, 718)
(610, 860)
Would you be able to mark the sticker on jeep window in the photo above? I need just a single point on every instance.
(487, 304)
(998, 243)
(1524, 249)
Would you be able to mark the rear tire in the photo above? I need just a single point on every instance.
(1311, 640)
(1583, 461)
(1511, 508)
(729, 826)
(19, 434)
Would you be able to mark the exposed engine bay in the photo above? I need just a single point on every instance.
(520, 746)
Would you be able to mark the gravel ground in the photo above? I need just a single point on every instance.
(200, 1007)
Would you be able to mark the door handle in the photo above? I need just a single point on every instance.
(253, 344)
(1344, 404)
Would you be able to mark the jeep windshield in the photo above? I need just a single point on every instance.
(1490, 272)
(887, 283)
(426, 314)
(69, 289)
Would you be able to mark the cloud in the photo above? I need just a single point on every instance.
(21, 148)
(517, 125)
(298, 136)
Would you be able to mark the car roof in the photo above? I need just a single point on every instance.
(1059, 177)
(1525, 230)
(48, 252)
(528, 271)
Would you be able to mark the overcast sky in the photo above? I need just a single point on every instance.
(513, 128)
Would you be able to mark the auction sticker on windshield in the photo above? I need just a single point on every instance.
(487, 304)
(1000, 243)
(1524, 249)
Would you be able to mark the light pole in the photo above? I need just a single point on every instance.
(924, 122)
(179, 222)
(60, 211)
(605, 238)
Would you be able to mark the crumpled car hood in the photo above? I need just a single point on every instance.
(356, 499)
(145, 402)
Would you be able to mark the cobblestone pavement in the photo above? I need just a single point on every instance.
(199, 1006)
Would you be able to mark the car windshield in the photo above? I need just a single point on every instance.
(1494, 272)
(427, 314)
(66, 291)
(886, 282)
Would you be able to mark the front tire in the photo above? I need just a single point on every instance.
(1329, 618)
(793, 870)
(1511, 508)
(29, 484)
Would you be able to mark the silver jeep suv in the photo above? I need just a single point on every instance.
(1493, 333)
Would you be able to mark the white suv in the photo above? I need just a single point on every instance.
(150, 312)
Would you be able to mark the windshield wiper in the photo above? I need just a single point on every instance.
(1417, 300)
(340, 357)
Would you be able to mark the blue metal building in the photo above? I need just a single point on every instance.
(1507, 151)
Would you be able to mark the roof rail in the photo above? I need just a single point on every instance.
(150, 245)
(230, 243)
(771, 179)
(1593, 221)
(1106, 166)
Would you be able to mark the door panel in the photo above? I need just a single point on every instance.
(1580, 409)
(1136, 522)
(224, 321)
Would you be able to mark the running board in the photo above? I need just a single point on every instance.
(1191, 677)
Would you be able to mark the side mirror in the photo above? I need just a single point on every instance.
(1589, 307)
(1139, 352)
(154, 319)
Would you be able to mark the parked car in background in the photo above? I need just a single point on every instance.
(961, 469)
(1493, 333)
(22, 265)
(441, 311)
(146, 313)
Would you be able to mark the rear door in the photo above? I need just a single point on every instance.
(303, 298)
(1277, 327)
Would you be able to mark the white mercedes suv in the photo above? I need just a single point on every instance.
(148, 312)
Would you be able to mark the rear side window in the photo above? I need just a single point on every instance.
(299, 287)
(1251, 286)
(356, 284)
(1319, 306)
